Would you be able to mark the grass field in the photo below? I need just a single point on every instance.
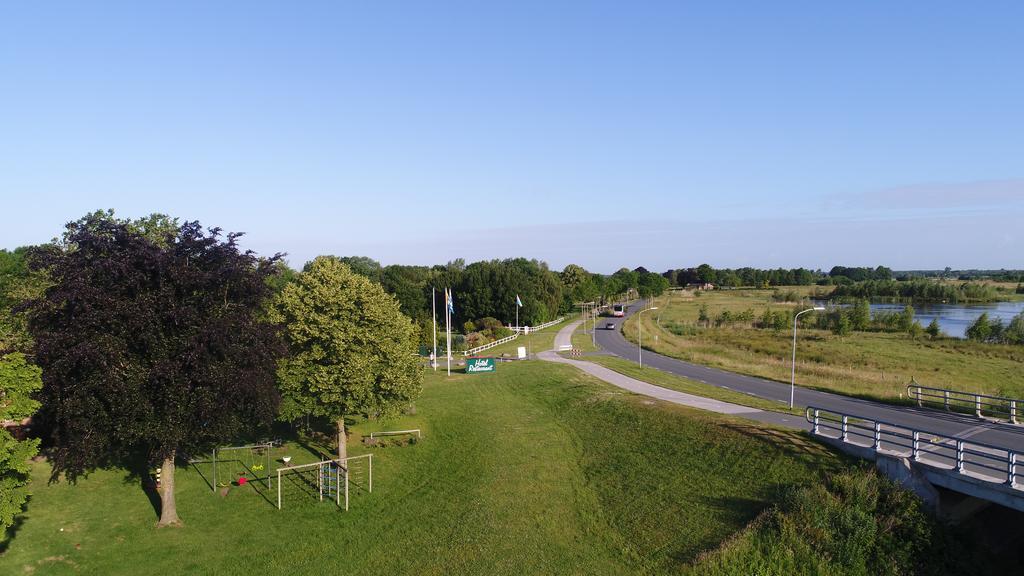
(866, 364)
(535, 469)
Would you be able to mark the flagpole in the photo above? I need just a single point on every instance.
(448, 327)
(433, 318)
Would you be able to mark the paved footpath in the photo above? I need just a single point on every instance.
(564, 337)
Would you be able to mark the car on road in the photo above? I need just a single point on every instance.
(609, 326)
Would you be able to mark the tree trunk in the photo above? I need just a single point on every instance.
(342, 440)
(168, 509)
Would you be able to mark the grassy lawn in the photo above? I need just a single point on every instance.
(867, 364)
(536, 469)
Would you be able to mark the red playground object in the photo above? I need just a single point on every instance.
(242, 480)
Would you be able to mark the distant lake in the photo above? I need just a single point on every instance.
(955, 319)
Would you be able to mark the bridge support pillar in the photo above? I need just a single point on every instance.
(902, 471)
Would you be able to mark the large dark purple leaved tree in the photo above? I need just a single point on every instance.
(151, 346)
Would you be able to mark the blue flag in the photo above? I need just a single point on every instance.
(518, 301)
(451, 301)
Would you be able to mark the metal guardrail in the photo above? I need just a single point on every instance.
(956, 400)
(975, 459)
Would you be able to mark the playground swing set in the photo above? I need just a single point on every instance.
(255, 466)
(327, 479)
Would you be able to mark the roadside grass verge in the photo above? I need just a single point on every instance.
(681, 384)
(584, 341)
(535, 469)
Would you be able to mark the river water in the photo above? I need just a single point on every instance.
(954, 319)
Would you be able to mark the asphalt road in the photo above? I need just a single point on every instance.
(961, 426)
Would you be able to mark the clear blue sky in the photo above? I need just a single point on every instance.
(605, 134)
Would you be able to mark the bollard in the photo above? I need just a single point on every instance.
(916, 450)
(960, 456)
(878, 436)
(1011, 468)
(846, 428)
(1013, 411)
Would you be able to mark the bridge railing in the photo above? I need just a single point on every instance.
(960, 456)
(960, 401)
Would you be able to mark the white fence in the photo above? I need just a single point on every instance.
(490, 345)
(540, 326)
(517, 330)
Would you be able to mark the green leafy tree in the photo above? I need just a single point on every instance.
(352, 351)
(933, 330)
(651, 284)
(842, 324)
(1014, 332)
(363, 265)
(860, 315)
(981, 329)
(705, 273)
(18, 284)
(160, 229)
(906, 320)
(150, 350)
(18, 381)
(702, 316)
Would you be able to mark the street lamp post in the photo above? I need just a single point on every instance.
(640, 335)
(792, 377)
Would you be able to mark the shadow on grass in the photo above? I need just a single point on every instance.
(737, 511)
(194, 463)
(797, 445)
(305, 484)
(12, 530)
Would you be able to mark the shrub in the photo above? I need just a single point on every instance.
(702, 315)
(981, 329)
(785, 296)
(842, 325)
(916, 330)
(857, 523)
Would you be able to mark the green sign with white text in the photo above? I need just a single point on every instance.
(477, 365)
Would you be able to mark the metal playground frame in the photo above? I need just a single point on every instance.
(267, 447)
(330, 475)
